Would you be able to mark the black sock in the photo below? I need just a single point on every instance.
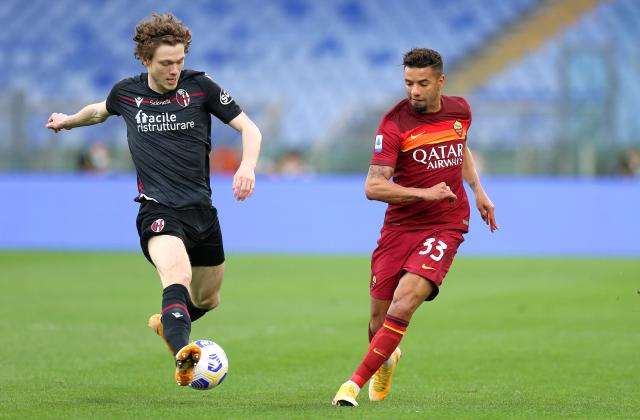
(195, 312)
(176, 322)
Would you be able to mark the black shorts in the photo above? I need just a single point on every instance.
(199, 229)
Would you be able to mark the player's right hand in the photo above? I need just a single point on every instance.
(244, 181)
(56, 121)
(439, 192)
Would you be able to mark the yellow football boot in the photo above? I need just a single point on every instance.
(347, 395)
(380, 383)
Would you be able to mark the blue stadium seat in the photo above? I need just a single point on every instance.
(314, 59)
(596, 57)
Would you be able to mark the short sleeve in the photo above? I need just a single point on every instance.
(217, 101)
(113, 105)
(468, 110)
(386, 145)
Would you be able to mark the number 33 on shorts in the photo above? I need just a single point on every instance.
(438, 250)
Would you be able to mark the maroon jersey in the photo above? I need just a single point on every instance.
(424, 150)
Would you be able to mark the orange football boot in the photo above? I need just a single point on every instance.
(186, 361)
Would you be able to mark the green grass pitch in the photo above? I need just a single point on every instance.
(506, 338)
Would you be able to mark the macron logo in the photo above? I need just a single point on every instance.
(177, 314)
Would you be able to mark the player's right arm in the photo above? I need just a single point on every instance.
(89, 115)
(379, 186)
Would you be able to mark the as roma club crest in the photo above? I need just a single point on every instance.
(182, 97)
(458, 127)
(158, 225)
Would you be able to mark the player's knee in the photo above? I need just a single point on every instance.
(402, 311)
(178, 277)
(403, 307)
(208, 302)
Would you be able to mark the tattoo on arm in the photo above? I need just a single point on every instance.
(473, 186)
(376, 171)
(383, 174)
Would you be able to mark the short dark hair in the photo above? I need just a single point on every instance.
(160, 29)
(423, 57)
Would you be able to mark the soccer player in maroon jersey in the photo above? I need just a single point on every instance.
(421, 144)
(168, 112)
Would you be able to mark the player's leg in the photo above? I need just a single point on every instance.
(379, 308)
(206, 254)
(163, 242)
(386, 267)
(170, 258)
(204, 295)
(380, 383)
(412, 290)
(159, 228)
(386, 263)
(438, 263)
(409, 293)
(207, 263)
(205, 289)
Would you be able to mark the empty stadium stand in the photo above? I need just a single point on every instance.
(315, 73)
(311, 58)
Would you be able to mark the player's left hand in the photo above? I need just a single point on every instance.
(487, 210)
(244, 182)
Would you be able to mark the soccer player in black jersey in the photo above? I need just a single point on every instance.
(168, 115)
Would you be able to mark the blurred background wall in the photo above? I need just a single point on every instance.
(553, 85)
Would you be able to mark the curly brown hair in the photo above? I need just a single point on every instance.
(160, 29)
(423, 57)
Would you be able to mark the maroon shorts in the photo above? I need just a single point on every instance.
(427, 253)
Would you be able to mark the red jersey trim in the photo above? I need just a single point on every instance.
(148, 101)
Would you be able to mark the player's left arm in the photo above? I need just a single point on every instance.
(483, 203)
(244, 180)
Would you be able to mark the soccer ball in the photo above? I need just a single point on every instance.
(212, 367)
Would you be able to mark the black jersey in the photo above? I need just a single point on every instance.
(169, 135)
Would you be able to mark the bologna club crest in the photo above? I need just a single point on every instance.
(182, 97)
(158, 225)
